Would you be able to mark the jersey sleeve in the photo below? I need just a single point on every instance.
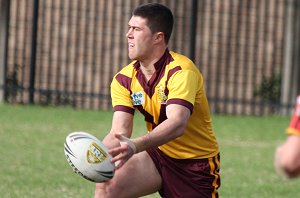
(294, 126)
(120, 94)
(183, 87)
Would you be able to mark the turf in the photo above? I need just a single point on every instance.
(33, 164)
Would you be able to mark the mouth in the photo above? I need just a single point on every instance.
(130, 45)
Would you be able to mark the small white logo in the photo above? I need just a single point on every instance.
(137, 98)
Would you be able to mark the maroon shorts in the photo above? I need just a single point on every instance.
(187, 178)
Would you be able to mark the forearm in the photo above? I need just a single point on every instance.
(166, 131)
(121, 124)
(163, 133)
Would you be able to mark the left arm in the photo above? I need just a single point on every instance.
(168, 130)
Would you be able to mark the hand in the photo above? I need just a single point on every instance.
(124, 152)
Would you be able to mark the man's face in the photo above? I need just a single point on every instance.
(140, 39)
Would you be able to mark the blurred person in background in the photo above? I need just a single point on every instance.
(287, 155)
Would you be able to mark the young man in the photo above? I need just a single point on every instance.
(179, 156)
(287, 156)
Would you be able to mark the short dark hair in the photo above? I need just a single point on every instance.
(159, 18)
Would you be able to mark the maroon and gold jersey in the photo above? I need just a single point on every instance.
(176, 81)
(294, 126)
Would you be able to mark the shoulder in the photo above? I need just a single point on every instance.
(180, 58)
(124, 76)
(181, 63)
(127, 70)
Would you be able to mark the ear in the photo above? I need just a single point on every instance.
(159, 37)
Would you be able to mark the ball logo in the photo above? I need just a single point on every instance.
(95, 154)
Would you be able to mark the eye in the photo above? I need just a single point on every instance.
(134, 28)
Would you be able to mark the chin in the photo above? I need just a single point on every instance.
(132, 57)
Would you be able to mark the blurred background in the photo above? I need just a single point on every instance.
(65, 52)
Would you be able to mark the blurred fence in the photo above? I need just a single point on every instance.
(65, 52)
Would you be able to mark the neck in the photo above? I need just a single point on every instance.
(147, 65)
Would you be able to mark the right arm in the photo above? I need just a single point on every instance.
(122, 123)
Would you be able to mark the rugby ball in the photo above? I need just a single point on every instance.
(88, 157)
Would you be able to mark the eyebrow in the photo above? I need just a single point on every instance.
(132, 26)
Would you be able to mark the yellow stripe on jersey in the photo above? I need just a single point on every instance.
(292, 131)
(176, 81)
(214, 164)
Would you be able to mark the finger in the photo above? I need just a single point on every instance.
(119, 154)
(120, 161)
(117, 151)
(126, 141)
(117, 158)
(120, 164)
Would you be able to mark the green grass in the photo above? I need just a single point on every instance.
(33, 164)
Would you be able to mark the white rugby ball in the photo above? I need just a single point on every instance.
(88, 157)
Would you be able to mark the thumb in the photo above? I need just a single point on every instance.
(121, 137)
(125, 140)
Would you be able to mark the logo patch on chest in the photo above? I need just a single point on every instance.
(137, 98)
(161, 94)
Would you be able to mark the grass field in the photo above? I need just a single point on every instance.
(33, 164)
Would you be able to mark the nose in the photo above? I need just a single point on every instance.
(129, 32)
